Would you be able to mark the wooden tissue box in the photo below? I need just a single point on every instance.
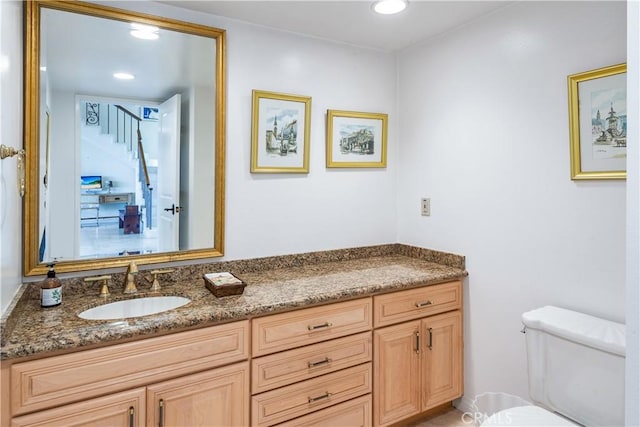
(223, 284)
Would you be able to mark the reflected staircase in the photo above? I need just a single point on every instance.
(123, 126)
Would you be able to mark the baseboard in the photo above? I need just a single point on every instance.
(464, 404)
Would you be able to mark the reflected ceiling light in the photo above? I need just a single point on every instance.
(145, 32)
(124, 76)
(389, 7)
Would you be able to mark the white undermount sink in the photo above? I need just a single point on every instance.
(135, 307)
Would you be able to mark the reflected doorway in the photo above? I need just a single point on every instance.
(118, 175)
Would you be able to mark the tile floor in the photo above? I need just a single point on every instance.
(451, 418)
(106, 240)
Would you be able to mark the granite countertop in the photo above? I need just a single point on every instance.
(274, 284)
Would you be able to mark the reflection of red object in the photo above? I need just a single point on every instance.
(130, 219)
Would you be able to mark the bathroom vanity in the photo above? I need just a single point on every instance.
(353, 337)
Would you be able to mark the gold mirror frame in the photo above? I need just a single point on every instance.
(31, 264)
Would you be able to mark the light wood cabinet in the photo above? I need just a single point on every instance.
(442, 359)
(58, 380)
(397, 366)
(354, 413)
(118, 409)
(214, 398)
(218, 397)
(417, 363)
(308, 396)
(416, 303)
(189, 372)
(371, 361)
(287, 367)
(284, 331)
(309, 362)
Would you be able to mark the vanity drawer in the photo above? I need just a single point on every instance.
(299, 399)
(280, 369)
(354, 413)
(416, 303)
(58, 380)
(308, 326)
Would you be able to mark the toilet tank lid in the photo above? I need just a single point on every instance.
(578, 327)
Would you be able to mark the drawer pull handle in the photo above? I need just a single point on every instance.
(323, 325)
(423, 303)
(324, 396)
(321, 362)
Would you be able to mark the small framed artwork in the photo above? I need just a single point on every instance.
(598, 123)
(280, 132)
(356, 140)
(92, 114)
(150, 113)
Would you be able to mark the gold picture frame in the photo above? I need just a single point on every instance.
(280, 132)
(597, 123)
(356, 140)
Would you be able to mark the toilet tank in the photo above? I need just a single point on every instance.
(576, 365)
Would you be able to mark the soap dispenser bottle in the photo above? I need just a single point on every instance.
(51, 289)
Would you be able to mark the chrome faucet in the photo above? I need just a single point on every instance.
(129, 278)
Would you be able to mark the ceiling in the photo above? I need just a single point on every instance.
(171, 64)
(351, 22)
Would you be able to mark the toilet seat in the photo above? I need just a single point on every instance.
(532, 416)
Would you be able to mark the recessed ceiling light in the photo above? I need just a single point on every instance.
(145, 32)
(124, 76)
(389, 7)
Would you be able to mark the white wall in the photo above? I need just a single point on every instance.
(484, 133)
(197, 168)
(11, 135)
(632, 391)
(62, 234)
(272, 214)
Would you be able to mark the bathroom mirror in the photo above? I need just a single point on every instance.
(121, 169)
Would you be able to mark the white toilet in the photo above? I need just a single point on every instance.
(576, 371)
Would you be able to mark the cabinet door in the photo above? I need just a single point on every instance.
(441, 358)
(125, 409)
(218, 397)
(396, 372)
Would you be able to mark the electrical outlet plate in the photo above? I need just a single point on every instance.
(425, 206)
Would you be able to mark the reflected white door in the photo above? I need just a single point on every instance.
(169, 174)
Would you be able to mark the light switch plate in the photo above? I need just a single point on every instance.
(425, 206)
